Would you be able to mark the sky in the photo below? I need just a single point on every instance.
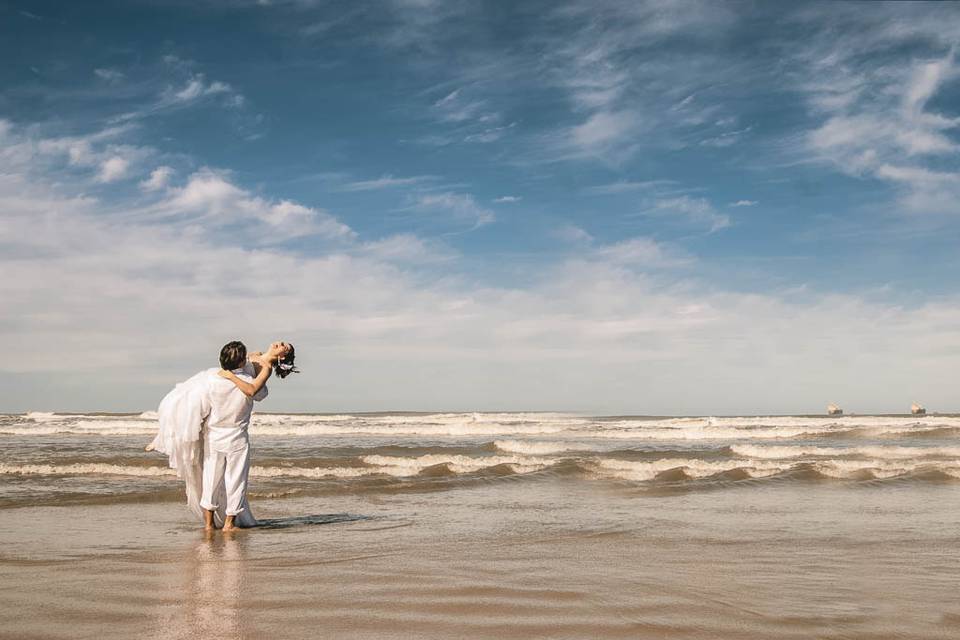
(602, 206)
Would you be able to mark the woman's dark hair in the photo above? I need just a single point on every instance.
(284, 366)
(233, 355)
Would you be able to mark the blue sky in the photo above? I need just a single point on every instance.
(646, 207)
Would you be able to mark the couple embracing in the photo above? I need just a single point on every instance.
(203, 430)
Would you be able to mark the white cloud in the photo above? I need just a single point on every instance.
(603, 130)
(640, 252)
(491, 134)
(698, 211)
(744, 203)
(189, 88)
(573, 234)
(461, 206)
(159, 178)
(925, 81)
(644, 252)
(235, 101)
(877, 120)
(195, 88)
(209, 196)
(109, 75)
(570, 336)
(725, 139)
(915, 175)
(624, 186)
(627, 86)
(113, 169)
(453, 107)
(505, 199)
(99, 152)
(287, 215)
(384, 182)
(466, 120)
(407, 248)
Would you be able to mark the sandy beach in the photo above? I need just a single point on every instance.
(511, 560)
(459, 549)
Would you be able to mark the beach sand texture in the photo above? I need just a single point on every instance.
(492, 526)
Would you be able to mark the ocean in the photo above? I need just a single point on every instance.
(492, 525)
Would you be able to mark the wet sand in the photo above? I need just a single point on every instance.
(547, 558)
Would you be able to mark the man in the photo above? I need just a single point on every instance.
(226, 443)
(203, 429)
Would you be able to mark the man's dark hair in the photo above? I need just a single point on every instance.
(233, 355)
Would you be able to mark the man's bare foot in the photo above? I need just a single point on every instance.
(230, 529)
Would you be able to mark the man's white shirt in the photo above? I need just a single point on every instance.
(229, 410)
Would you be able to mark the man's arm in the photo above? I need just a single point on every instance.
(249, 389)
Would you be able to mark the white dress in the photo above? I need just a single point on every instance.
(182, 414)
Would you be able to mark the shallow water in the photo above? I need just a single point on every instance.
(589, 530)
(71, 459)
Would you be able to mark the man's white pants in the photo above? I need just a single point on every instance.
(225, 470)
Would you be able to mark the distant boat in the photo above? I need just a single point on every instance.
(834, 410)
(917, 409)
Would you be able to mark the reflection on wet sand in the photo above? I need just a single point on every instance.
(208, 601)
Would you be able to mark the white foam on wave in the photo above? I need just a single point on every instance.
(803, 422)
(284, 418)
(841, 469)
(699, 433)
(275, 428)
(41, 416)
(475, 418)
(403, 429)
(883, 468)
(409, 466)
(630, 470)
(83, 469)
(86, 469)
(642, 471)
(312, 472)
(508, 426)
(537, 448)
(375, 465)
(882, 452)
(115, 427)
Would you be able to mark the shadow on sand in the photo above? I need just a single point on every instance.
(299, 521)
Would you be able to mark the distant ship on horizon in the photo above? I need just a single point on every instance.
(834, 410)
(917, 409)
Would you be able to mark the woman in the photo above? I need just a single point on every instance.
(279, 357)
(184, 413)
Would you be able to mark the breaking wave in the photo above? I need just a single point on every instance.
(668, 469)
(799, 451)
(100, 455)
(508, 426)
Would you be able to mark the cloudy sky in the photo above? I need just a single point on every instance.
(618, 207)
